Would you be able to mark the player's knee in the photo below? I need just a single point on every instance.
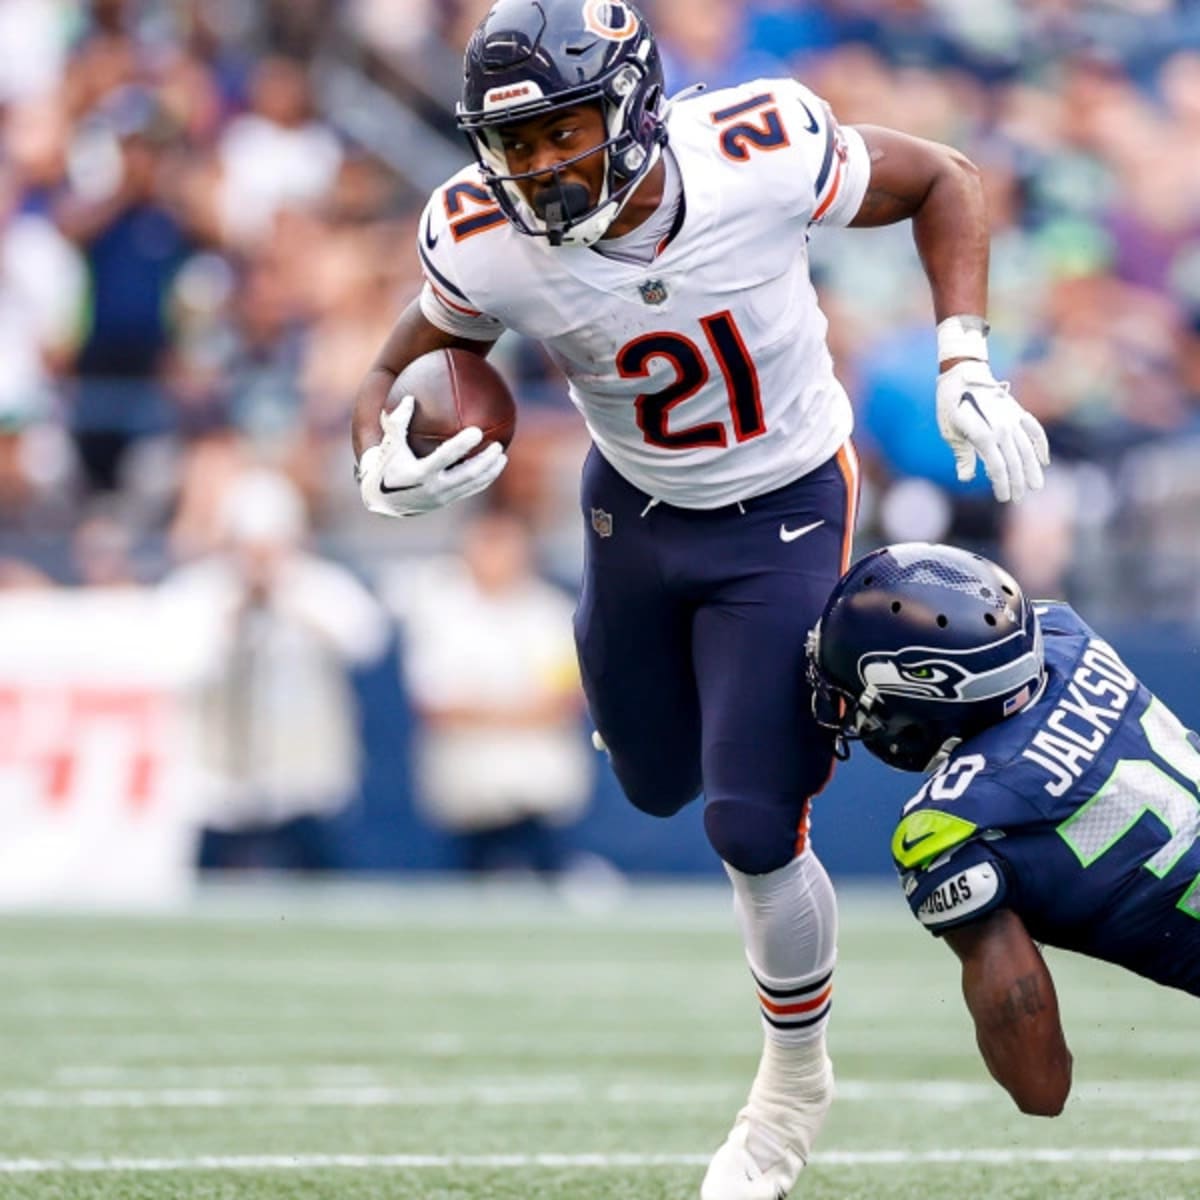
(752, 838)
(655, 793)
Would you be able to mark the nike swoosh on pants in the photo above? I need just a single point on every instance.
(790, 535)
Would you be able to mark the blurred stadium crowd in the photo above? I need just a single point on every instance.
(208, 215)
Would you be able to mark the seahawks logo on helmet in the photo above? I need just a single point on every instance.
(926, 673)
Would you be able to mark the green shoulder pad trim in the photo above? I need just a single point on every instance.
(925, 834)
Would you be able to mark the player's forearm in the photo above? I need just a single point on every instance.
(403, 344)
(1011, 997)
(1021, 1040)
(365, 430)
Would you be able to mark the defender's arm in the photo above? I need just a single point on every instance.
(1011, 997)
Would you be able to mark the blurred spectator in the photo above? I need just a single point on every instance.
(33, 48)
(489, 662)
(41, 299)
(16, 574)
(278, 153)
(275, 632)
(704, 41)
(102, 553)
(121, 211)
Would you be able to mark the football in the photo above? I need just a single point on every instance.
(454, 389)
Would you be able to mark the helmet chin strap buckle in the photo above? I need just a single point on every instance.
(556, 223)
(944, 751)
(560, 206)
(866, 702)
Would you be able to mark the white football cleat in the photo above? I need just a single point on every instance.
(772, 1138)
(735, 1174)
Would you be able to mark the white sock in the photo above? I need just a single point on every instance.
(788, 922)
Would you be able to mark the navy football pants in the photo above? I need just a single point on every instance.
(691, 627)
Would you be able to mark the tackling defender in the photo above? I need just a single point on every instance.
(1064, 803)
(658, 249)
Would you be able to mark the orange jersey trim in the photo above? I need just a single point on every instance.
(823, 207)
(469, 312)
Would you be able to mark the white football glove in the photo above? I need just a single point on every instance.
(977, 416)
(394, 482)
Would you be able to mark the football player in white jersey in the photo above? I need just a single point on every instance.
(658, 250)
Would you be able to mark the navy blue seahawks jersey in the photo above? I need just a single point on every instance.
(1081, 813)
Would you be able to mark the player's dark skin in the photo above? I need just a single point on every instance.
(1011, 998)
(932, 185)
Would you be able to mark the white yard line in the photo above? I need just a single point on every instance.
(205, 1043)
(1080, 1156)
(374, 1092)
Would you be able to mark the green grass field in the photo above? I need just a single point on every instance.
(447, 1044)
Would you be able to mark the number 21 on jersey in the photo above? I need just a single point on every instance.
(692, 372)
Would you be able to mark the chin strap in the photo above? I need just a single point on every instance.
(559, 211)
(556, 222)
(944, 751)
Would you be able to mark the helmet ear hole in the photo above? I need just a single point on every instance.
(896, 606)
(991, 620)
(942, 621)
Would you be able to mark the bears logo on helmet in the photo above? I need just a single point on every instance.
(610, 19)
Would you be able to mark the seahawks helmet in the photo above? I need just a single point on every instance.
(532, 57)
(920, 647)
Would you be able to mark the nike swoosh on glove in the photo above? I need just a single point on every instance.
(394, 482)
(977, 415)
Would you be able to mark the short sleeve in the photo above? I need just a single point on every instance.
(842, 197)
(445, 301)
(454, 320)
(834, 161)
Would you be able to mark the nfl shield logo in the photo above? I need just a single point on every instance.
(602, 522)
(654, 291)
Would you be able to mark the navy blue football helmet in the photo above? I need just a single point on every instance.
(531, 57)
(919, 648)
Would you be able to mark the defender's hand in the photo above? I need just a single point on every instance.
(977, 416)
(394, 482)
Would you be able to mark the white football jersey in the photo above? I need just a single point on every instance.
(703, 376)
